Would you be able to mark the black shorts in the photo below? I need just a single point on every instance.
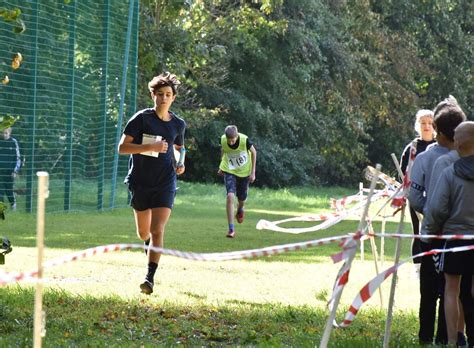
(460, 262)
(143, 198)
(237, 185)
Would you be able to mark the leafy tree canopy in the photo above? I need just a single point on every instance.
(322, 87)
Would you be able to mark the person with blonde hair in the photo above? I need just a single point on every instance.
(424, 128)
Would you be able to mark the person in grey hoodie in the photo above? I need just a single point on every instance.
(451, 212)
(447, 116)
(466, 317)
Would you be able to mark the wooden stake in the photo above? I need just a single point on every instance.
(376, 262)
(382, 241)
(362, 252)
(329, 324)
(39, 325)
(388, 323)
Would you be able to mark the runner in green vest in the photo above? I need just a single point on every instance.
(238, 160)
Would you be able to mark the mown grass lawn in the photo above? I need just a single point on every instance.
(273, 301)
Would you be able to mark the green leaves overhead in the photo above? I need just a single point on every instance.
(13, 16)
(322, 87)
(6, 121)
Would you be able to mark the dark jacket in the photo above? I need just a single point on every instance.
(10, 160)
(451, 209)
(421, 146)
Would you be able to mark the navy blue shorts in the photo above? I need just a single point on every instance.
(238, 186)
(143, 198)
(460, 262)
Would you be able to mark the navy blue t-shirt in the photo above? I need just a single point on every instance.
(154, 172)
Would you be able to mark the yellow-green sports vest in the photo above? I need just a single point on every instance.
(236, 161)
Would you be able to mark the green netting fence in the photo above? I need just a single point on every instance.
(73, 92)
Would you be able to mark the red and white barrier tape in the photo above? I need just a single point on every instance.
(349, 247)
(328, 219)
(369, 289)
(347, 242)
(401, 198)
(341, 203)
(425, 236)
(390, 183)
(11, 277)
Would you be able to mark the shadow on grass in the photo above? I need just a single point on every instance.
(147, 321)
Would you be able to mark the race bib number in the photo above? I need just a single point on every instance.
(237, 160)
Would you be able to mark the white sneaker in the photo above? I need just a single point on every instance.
(14, 206)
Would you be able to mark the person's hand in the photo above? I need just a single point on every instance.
(180, 168)
(220, 173)
(14, 175)
(160, 146)
(252, 177)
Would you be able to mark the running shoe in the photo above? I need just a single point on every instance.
(240, 216)
(146, 287)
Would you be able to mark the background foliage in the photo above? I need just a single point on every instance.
(66, 95)
(322, 87)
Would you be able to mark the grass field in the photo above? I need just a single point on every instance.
(273, 301)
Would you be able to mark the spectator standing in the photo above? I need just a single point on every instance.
(447, 116)
(451, 212)
(10, 164)
(426, 136)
